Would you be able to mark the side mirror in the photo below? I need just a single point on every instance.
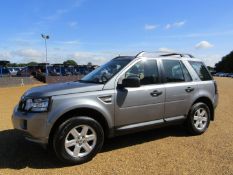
(131, 82)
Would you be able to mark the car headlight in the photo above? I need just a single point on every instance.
(37, 104)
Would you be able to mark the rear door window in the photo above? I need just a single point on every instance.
(173, 71)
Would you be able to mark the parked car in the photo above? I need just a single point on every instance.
(14, 70)
(230, 75)
(127, 94)
(53, 71)
(76, 71)
(221, 74)
(27, 71)
(4, 72)
(83, 69)
(226, 74)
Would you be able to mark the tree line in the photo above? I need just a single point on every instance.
(226, 64)
(69, 62)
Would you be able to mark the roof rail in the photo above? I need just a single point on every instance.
(179, 54)
(164, 54)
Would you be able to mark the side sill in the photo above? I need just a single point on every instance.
(133, 128)
(174, 118)
(138, 125)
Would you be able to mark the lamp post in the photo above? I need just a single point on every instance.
(45, 37)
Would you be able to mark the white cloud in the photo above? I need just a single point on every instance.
(56, 55)
(168, 26)
(28, 53)
(5, 55)
(164, 49)
(210, 60)
(78, 3)
(73, 24)
(203, 45)
(175, 25)
(75, 42)
(57, 14)
(179, 24)
(199, 35)
(95, 58)
(71, 42)
(25, 42)
(82, 57)
(23, 55)
(150, 27)
(30, 33)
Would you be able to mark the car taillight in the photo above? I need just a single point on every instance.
(216, 88)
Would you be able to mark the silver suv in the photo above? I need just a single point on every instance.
(127, 94)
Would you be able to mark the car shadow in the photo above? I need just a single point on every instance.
(18, 153)
(143, 137)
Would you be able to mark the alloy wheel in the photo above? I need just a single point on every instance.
(80, 141)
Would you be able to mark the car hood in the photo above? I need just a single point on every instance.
(62, 89)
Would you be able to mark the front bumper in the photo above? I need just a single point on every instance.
(34, 125)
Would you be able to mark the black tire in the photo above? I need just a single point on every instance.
(63, 130)
(190, 122)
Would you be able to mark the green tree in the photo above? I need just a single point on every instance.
(226, 64)
(70, 63)
(210, 68)
(4, 62)
(32, 63)
(16, 64)
(89, 64)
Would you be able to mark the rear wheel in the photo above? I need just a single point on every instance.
(198, 119)
(78, 140)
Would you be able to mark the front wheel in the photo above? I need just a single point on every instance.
(198, 119)
(78, 140)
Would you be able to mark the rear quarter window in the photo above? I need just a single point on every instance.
(201, 70)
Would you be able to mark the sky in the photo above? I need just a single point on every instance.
(98, 30)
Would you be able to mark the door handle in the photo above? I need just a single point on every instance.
(156, 93)
(189, 89)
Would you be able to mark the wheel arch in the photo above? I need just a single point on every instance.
(84, 111)
(208, 102)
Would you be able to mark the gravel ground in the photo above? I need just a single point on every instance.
(161, 151)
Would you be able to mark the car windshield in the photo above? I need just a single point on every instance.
(105, 72)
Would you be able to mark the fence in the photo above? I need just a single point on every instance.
(4, 71)
(47, 74)
(47, 70)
